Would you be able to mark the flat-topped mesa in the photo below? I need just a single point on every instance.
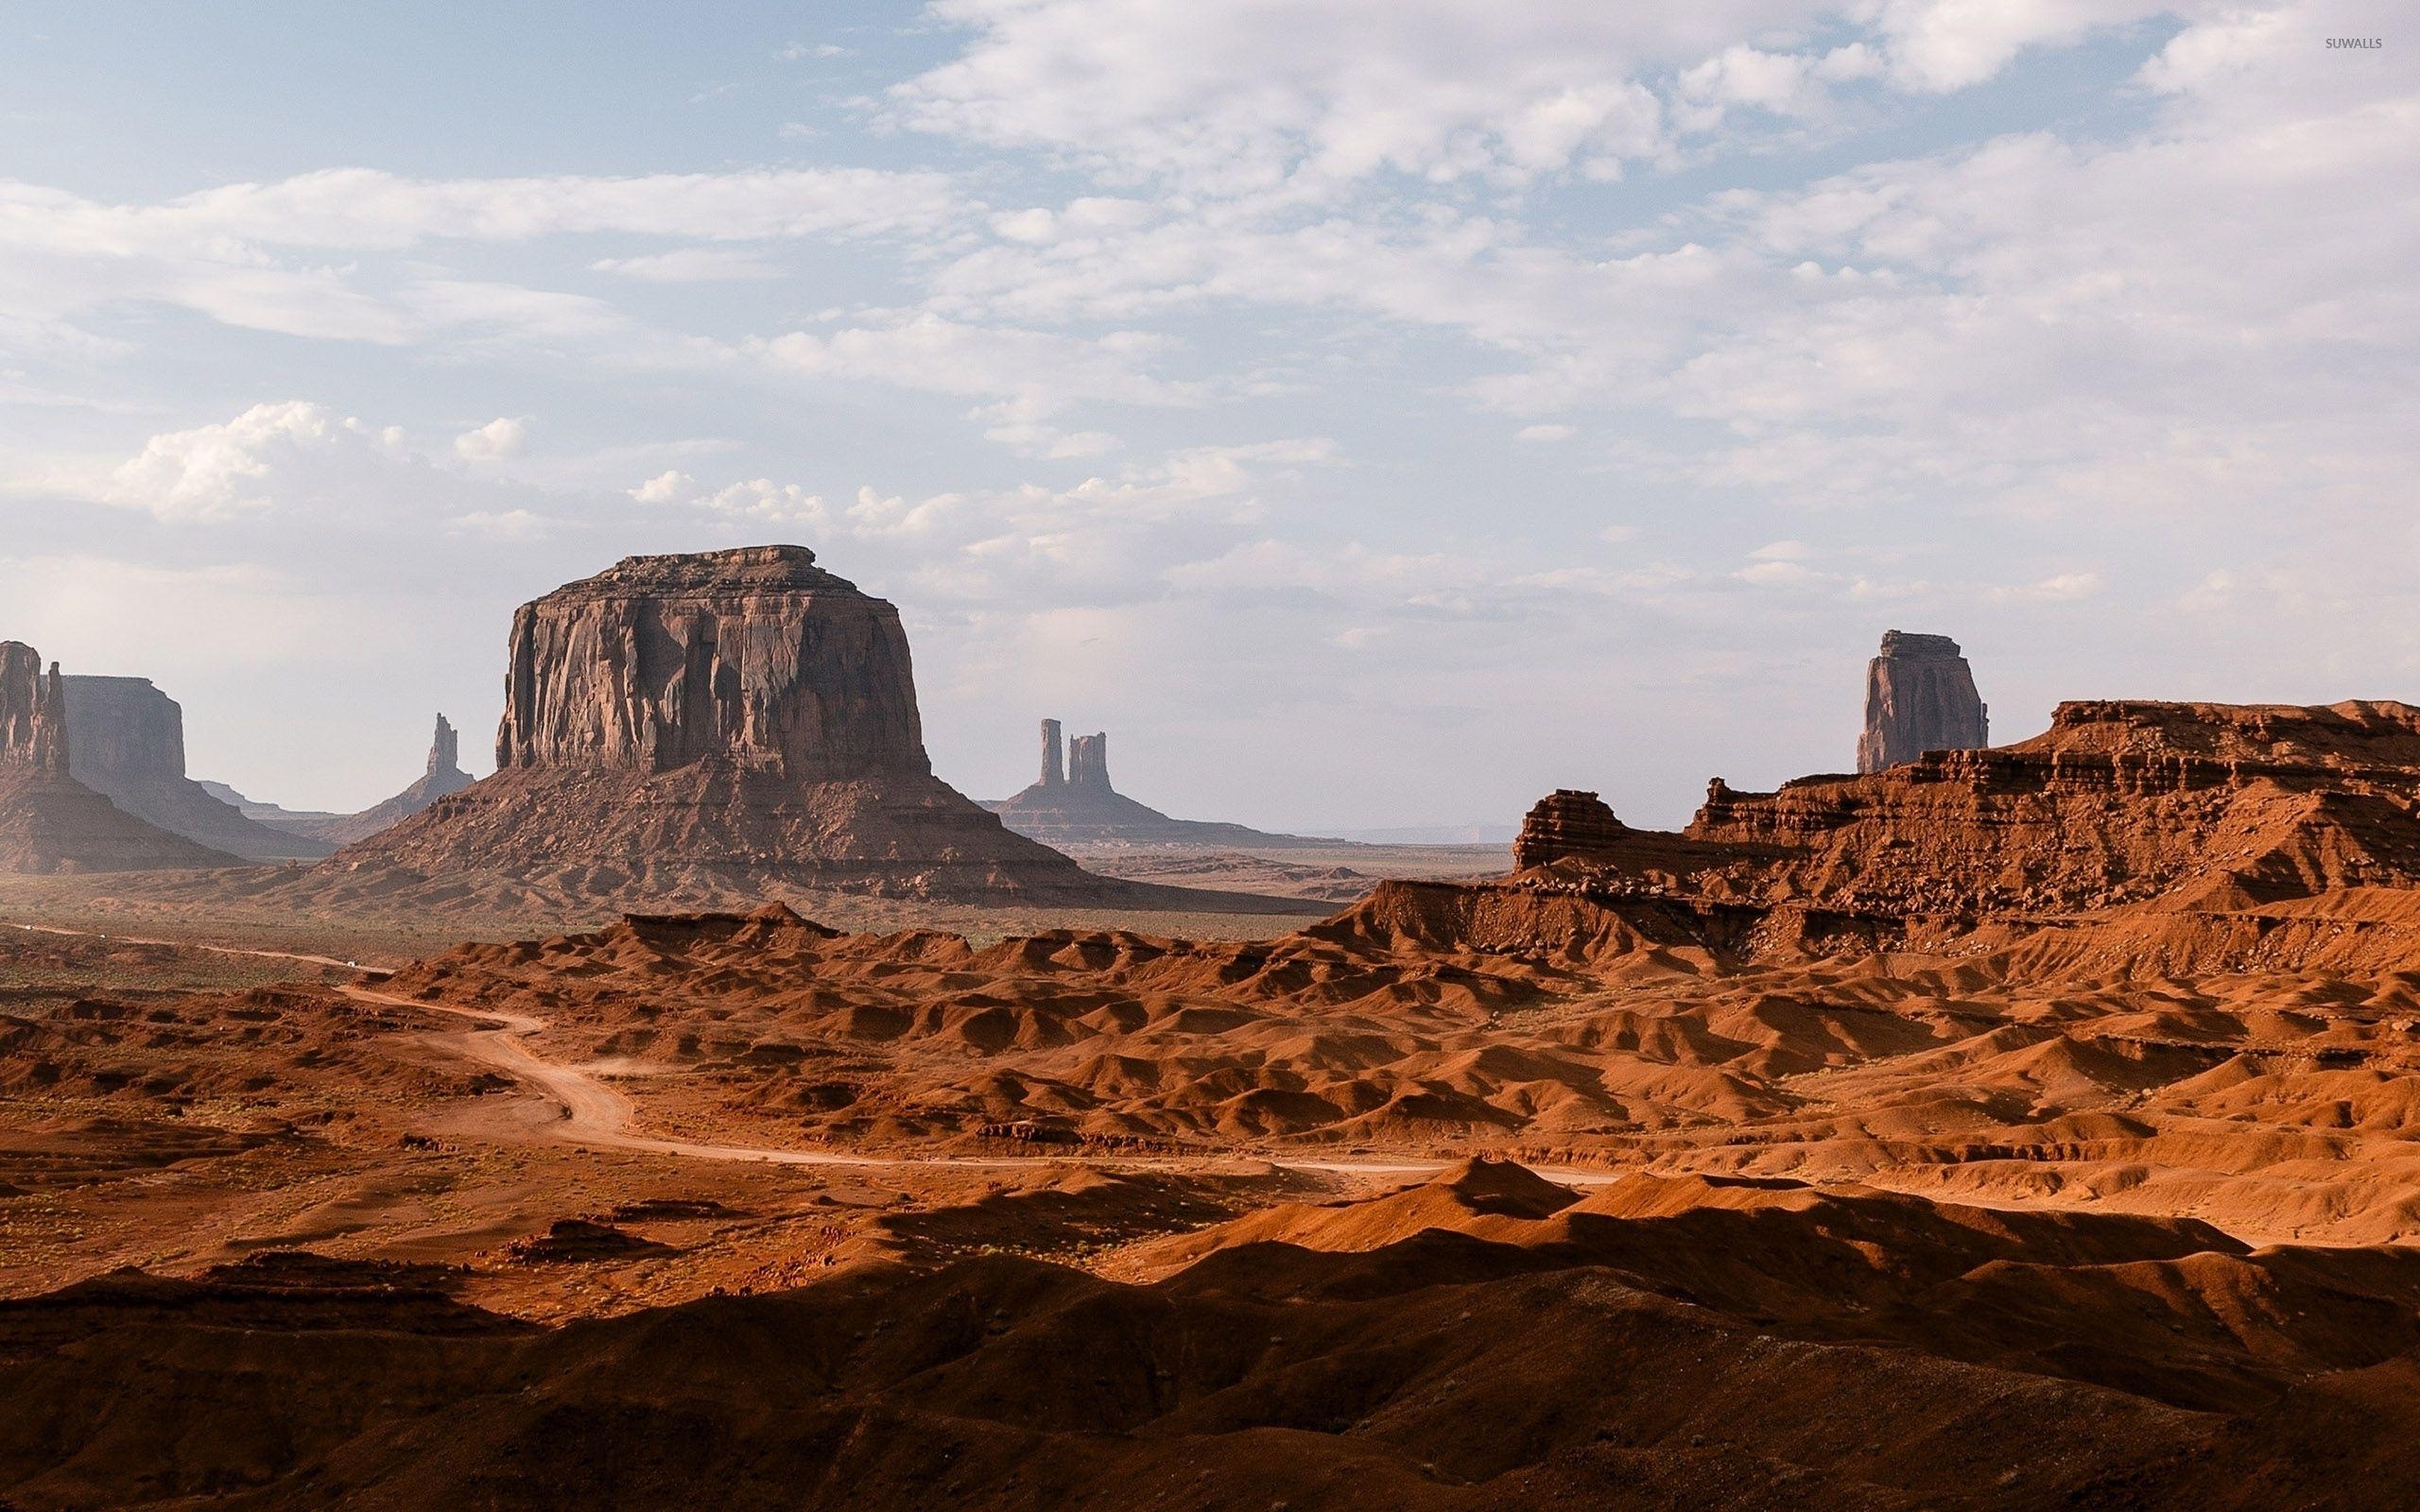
(33, 710)
(1920, 696)
(755, 656)
(712, 729)
(1088, 763)
(1566, 822)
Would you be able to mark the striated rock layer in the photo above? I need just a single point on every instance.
(1077, 806)
(1566, 822)
(717, 723)
(1919, 696)
(33, 715)
(127, 740)
(50, 822)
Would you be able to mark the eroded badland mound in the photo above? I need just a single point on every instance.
(2005, 1130)
(50, 822)
(725, 724)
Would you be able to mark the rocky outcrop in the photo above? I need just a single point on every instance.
(1919, 696)
(50, 822)
(720, 724)
(2177, 806)
(443, 776)
(1566, 822)
(126, 740)
(1079, 807)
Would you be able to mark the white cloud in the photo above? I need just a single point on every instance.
(1779, 574)
(1546, 433)
(1029, 374)
(2062, 588)
(363, 208)
(501, 437)
(759, 500)
(245, 465)
(691, 264)
(1303, 95)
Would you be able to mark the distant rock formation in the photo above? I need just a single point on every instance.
(707, 725)
(1088, 763)
(310, 822)
(1919, 696)
(51, 822)
(127, 740)
(1054, 774)
(1079, 806)
(1566, 822)
(2204, 815)
(443, 775)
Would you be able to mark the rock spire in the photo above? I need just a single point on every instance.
(1054, 770)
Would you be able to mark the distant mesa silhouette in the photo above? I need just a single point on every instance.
(1076, 804)
(127, 740)
(49, 821)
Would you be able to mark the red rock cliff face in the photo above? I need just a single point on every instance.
(1919, 696)
(754, 655)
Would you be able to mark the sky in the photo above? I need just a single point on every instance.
(1369, 412)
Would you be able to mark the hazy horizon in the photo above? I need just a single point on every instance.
(1370, 414)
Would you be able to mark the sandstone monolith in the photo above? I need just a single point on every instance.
(1919, 696)
(705, 726)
